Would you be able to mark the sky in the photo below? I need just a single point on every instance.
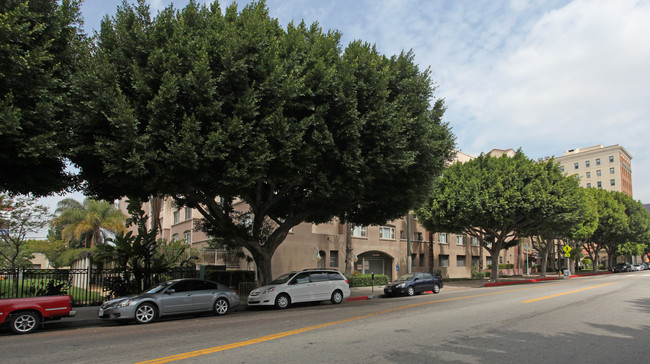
(543, 76)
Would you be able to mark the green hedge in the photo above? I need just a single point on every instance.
(365, 280)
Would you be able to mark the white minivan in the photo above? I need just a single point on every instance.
(309, 285)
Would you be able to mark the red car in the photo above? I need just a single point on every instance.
(24, 315)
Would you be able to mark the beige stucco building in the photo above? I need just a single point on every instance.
(609, 168)
(379, 249)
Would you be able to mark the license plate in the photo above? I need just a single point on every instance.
(389, 290)
(101, 313)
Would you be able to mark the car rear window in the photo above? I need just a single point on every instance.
(319, 277)
(335, 277)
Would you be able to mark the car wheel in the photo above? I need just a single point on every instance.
(436, 288)
(337, 297)
(145, 313)
(25, 322)
(410, 291)
(282, 301)
(221, 306)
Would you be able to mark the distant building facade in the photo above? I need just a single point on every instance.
(609, 168)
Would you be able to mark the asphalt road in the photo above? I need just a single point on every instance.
(599, 319)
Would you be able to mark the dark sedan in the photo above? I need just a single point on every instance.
(622, 267)
(414, 283)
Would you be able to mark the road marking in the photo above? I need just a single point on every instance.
(565, 293)
(279, 335)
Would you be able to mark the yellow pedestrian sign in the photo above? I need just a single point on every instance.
(567, 249)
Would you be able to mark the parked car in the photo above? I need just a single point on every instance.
(179, 296)
(637, 267)
(622, 267)
(415, 283)
(25, 315)
(309, 285)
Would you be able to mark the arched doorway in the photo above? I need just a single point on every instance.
(375, 262)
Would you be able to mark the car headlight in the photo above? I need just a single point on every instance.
(124, 303)
(269, 290)
(401, 285)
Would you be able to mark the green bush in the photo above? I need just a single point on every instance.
(365, 280)
(506, 266)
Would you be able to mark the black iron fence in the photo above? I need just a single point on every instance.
(88, 287)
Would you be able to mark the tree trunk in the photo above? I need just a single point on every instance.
(495, 265)
(349, 257)
(263, 264)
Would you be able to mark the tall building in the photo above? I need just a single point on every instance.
(609, 168)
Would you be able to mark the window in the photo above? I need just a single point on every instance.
(475, 261)
(421, 260)
(459, 240)
(334, 258)
(301, 278)
(612, 170)
(188, 213)
(588, 185)
(588, 174)
(387, 232)
(359, 231)
(175, 237)
(442, 238)
(460, 260)
(488, 260)
(413, 258)
(188, 236)
(474, 241)
(597, 161)
(598, 173)
(612, 182)
(443, 260)
(587, 164)
(177, 217)
(417, 236)
(600, 184)
(500, 260)
(319, 277)
(402, 234)
(611, 159)
(576, 165)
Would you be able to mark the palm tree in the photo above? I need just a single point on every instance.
(87, 224)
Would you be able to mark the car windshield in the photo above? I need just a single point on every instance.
(404, 278)
(160, 287)
(283, 278)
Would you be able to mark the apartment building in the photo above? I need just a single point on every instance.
(379, 249)
(609, 168)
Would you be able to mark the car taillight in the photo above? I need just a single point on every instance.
(236, 291)
(348, 282)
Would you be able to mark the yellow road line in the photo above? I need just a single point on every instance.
(565, 293)
(279, 335)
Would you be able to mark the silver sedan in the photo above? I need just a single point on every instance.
(180, 296)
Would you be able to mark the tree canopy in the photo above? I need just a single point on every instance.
(39, 42)
(500, 199)
(25, 216)
(216, 109)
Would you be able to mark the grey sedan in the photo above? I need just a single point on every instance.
(180, 296)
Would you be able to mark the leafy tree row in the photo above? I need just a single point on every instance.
(501, 199)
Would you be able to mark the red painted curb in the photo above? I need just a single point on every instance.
(359, 298)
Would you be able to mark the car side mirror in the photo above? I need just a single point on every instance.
(416, 279)
(170, 291)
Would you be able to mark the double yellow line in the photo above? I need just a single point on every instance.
(216, 349)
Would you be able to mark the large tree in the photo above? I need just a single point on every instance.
(499, 200)
(25, 216)
(612, 226)
(636, 236)
(258, 127)
(39, 42)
